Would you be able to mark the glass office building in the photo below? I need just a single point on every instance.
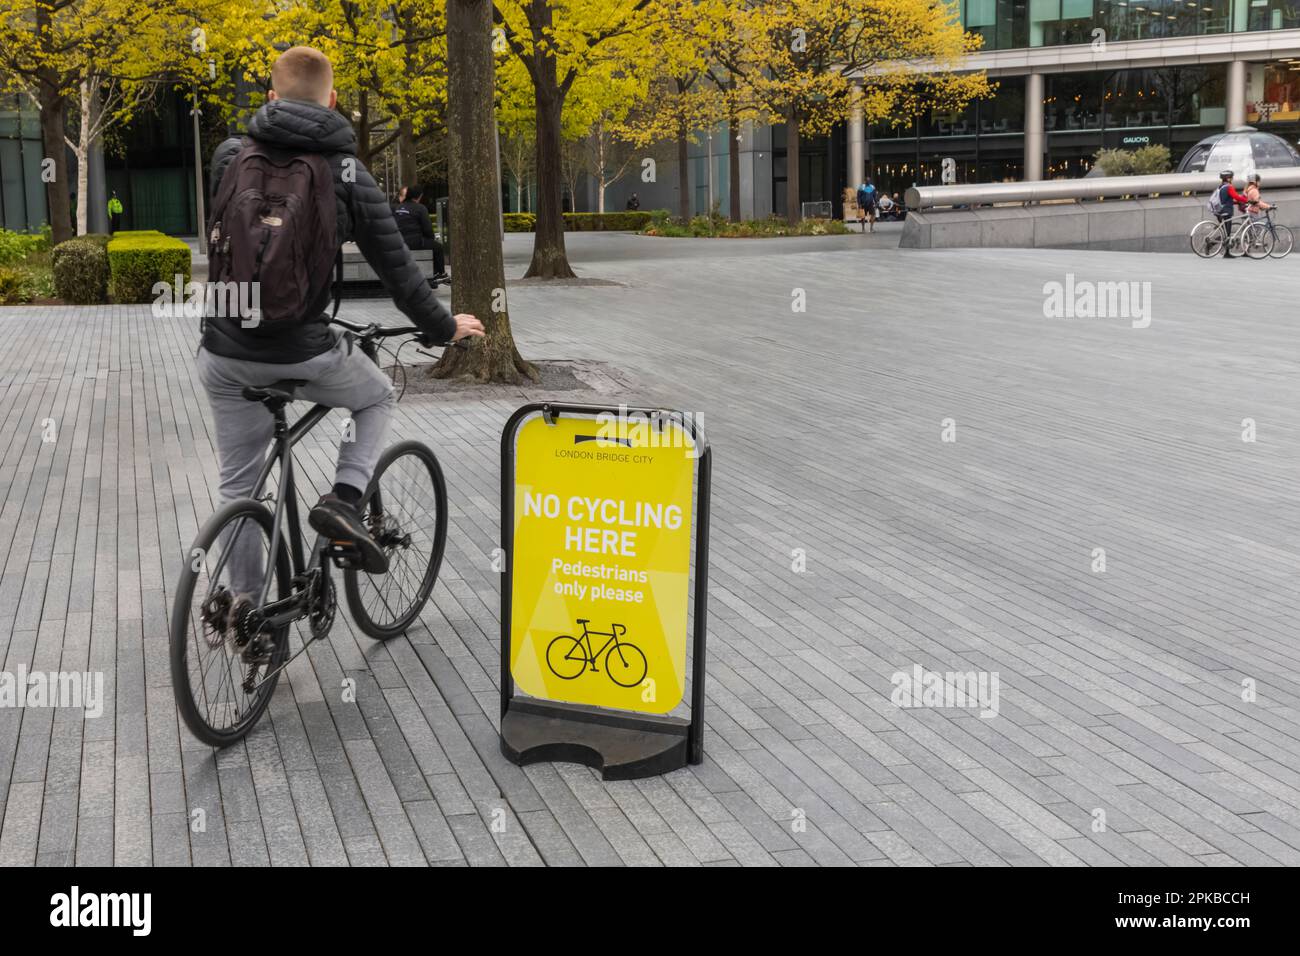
(22, 194)
(1082, 113)
(1012, 24)
(1104, 73)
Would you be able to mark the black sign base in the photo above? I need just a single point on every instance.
(621, 747)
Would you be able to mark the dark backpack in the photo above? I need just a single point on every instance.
(275, 223)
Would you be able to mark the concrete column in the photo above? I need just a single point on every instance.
(97, 186)
(1236, 94)
(748, 152)
(857, 156)
(1034, 135)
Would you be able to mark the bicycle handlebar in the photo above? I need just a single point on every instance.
(376, 331)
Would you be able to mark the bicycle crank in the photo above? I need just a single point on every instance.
(323, 602)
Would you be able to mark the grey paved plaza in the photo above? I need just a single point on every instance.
(1148, 705)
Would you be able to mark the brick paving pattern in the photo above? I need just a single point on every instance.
(1120, 691)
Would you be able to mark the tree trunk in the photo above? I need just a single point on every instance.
(363, 129)
(601, 166)
(409, 173)
(683, 173)
(82, 152)
(550, 260)
(50, 100)
(57, 193)
(474, 182)
(733, 165)
(792, 208)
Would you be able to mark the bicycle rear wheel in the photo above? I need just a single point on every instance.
(210, 665)
(1207, 239)
(1283, 240)
(406, 510)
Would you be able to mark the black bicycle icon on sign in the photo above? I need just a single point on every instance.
(569, 657)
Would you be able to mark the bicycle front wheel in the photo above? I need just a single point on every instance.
(1207, 239)
(405, 508)
(220, 684)
(1282, 242)
(625, 664)
(1257, 241)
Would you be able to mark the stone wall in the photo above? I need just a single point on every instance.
(1162, 224)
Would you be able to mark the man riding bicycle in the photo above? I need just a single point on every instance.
(299, 159)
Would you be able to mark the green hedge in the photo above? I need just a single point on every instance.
(17, 246)
(718, 227)
(582, 221)
(520, 221)
(606, 221)
(81, 270)
(137, 260)
(16, 286)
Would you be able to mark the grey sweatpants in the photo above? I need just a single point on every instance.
(340, 378)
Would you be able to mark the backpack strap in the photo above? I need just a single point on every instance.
(338, 283)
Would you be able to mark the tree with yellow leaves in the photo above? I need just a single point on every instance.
(681, 102)
(558, 42)
(390, 63)
(104, 58)
(806, 63)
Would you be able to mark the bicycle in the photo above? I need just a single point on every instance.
(1283, 240)
(225, 672)
(630, 666)
(1212, 237)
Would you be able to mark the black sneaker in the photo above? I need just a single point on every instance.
(341, 523)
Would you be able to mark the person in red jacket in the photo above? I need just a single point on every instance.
(1229, 202)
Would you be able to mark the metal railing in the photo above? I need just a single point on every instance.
(1096, 187)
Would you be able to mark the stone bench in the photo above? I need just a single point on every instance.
(357, 270)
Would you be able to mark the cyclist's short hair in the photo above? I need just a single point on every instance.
(303, 73)
(414, 192)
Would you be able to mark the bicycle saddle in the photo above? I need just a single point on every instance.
(277, 394)
(584, 620)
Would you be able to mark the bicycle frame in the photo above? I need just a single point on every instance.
(286, 505)
(613, 639)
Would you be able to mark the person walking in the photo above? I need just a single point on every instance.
(867, 205)
(114, 213)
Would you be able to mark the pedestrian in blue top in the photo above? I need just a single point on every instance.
(867, 196)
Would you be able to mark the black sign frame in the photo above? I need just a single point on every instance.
(620, 744)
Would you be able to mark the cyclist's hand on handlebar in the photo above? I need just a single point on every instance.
(466, 327)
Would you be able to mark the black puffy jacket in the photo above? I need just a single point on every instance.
(364, 217)
(414, 224)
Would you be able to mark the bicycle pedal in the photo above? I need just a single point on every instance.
(345, 555)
